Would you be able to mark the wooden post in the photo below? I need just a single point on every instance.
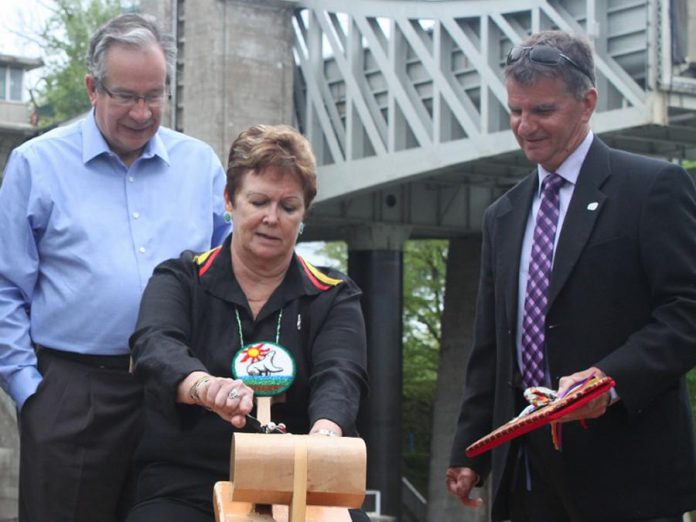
(298, 505)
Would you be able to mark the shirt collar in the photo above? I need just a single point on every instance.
(94, 144)
(569, 170)
(218, 279)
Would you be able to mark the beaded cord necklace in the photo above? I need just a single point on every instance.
(241, 335)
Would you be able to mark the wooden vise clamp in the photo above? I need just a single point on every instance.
(292, 478)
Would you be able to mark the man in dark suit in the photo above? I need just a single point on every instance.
(589, 272)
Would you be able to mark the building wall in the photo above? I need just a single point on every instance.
(14, 112)
(9, 139)
(14, 129)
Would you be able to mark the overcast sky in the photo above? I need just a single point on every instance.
(24, 17)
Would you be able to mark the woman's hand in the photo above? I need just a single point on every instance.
(326, 427)
(231, 399)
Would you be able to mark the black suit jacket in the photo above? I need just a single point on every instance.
(622, 297)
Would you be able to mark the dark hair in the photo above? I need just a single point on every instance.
(527, 72)
(132, 30)
(263, 146)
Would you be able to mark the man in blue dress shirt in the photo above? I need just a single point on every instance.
(86, 212)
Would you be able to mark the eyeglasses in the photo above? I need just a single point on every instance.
(544, 55)
(154, 100)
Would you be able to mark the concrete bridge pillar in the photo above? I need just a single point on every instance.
(235, 66)
(375, 262)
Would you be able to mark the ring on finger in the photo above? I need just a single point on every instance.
(234, 394)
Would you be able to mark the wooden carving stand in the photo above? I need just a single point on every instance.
(305, 478)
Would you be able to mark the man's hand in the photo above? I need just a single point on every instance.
(460, 482)
(593, 409)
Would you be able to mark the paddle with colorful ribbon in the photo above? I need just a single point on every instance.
(546, 407)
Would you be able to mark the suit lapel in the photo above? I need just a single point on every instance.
(584, 209)
(511, 223)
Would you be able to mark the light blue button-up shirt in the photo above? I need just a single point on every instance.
(80, 233)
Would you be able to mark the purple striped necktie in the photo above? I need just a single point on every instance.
(538, 277)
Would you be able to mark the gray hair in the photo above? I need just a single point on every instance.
(132, 30)
(526, 72)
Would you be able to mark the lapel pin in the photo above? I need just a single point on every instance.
(593, 206)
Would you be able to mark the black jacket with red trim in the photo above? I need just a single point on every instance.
(187, 323)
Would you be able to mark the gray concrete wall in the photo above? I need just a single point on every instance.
(235, 65)
(9, 459)
(238, 71)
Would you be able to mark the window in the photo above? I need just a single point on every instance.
(3, 75)
(11, 83)
(16, 84)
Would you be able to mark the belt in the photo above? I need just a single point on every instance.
(111, 362)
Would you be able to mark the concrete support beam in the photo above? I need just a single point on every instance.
(463, 265)
(375, 262)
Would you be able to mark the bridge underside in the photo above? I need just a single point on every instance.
(449, 202)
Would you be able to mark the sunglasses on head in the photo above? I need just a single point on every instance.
(544, 55)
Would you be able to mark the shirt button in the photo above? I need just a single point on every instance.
(131, 179)
(136, 215)
(141, 250)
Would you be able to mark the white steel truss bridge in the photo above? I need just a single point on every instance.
(404, 102)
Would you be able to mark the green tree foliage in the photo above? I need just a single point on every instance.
(337, 253)
(65, 38)
(424, 283)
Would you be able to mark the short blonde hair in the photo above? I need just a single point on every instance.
(280, 146)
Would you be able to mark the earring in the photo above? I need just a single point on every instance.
(301, 229)
(227, 217)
